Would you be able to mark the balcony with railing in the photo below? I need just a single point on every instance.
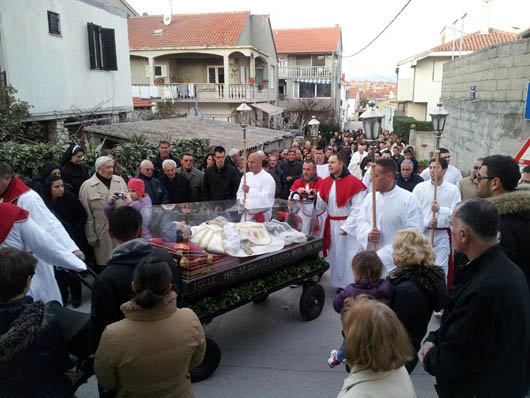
(300, 72)
(205, 92)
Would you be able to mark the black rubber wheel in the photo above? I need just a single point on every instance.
(211, 360)
(312, 301)
(260, 298)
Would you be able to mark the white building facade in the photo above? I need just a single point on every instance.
(66, 57)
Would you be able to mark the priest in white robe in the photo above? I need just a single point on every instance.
(18, 230)
(340, 194)
(453, 175)
(396, 209)
(355, 162)
(260, 189)
(447, 197)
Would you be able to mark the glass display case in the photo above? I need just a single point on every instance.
(220, 244)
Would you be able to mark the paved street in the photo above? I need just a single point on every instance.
(268, 350)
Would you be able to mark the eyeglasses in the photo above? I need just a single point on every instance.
(476, 167)
(479, 177)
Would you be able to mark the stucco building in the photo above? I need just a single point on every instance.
(66, 58)
(214, 61)
(310, 70)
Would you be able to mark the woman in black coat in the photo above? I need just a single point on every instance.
(37, 184)
(419, 286)
(74, 173)
(72, 215)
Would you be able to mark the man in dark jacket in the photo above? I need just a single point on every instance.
(497, 180)
(177, 186)
(164, 152)
(33, 357)
(273, 165)
(112, 287)
(292, 168)
(221, 181)
(482, 348)
(153, 187)
(407, 179)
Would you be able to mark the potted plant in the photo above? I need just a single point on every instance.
(251, 80)
(264, 82)
(160, 80)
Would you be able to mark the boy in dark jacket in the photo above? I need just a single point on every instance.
(33, 357)
(367, 271)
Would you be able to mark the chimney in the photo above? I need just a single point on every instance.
(485, 15)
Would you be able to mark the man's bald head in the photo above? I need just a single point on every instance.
(254, 162)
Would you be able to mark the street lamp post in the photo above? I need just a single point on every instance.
(244, 112)
(372, 119)
(313, 129)
(438, 116)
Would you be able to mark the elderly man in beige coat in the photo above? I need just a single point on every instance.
(101, 188)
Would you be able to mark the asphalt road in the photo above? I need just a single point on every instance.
(268, 350)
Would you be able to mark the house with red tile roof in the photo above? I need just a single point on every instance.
(310, 70)
(214, 61)
(420, 76)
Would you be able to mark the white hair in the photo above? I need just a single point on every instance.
(168, 162)
(101, 161)
(144, 163)
(407, 162)
(233, 152)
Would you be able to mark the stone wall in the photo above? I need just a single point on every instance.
(492, 123)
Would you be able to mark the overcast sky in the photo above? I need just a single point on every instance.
(416, 29)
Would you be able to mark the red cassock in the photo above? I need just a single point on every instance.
(345, 188)
(300, 183)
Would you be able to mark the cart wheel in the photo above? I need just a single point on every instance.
(312, 301)
(260, 298)
(211, 360)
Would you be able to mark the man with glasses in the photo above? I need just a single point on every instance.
(453, 175)
(193, 175)
(153, 187)
(220, 181)
(497, 180)
(467, 186)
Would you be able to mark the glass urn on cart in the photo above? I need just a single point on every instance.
(228, 256)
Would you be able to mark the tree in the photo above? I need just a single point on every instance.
(13, 114)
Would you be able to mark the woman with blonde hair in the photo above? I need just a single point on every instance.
(376, 348)
(419, 286)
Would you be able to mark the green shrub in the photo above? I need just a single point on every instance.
(12, 114)
(28, 159)
(402, 124)
(327, 129)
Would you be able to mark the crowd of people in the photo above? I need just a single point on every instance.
(464, 256)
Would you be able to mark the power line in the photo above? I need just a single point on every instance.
(380, 33)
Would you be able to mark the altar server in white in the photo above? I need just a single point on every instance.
(355, 163)
(341, 195)
(396, 209)
(14, 191)
(260, 188)
(18, 230)
(447, 197)
(452, 175)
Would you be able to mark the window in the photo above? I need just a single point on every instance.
(314, 90)
(102, 48)
(318, 60)
(259, 75)
(54, 23)
(216, 74)
(158, 71)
